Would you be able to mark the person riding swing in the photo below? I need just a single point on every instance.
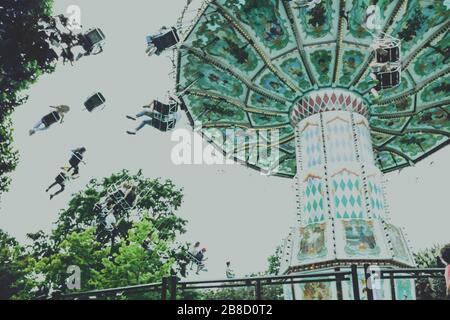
(50, 119)
(60, 180)
(75, 160)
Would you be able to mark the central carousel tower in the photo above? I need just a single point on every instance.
(341, 204)
(354, 89)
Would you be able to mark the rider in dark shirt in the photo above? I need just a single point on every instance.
(200, 256)
(76, 159)
(48, 120)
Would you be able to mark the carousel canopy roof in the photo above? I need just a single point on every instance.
(246, 63)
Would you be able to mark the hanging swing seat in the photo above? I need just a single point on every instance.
(94, 101)
(166, 39)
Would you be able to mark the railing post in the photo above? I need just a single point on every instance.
(368, 278)
(355, 282)
(392, 280)
(164, 289)
(340, 295)
(258, 294)
(173, 287)
(293, 290)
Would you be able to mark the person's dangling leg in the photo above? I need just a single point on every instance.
(200, 266)
(138, 115)
(141, 114)
(63, 187)
(40, 126)
(142, 125)
(54, 184)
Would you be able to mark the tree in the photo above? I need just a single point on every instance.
(159, 199)
(273, 292)
(13, 266)
(133, 263)
(8, 159)
(28, 35)
(275, 262)
(24, 55)
(144, 248)
(430, 289)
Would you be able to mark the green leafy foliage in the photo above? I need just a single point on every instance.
(143, 251)
(13, 266)
(24, 55)
(160, 200)
(273, 292)
(133, 264)
(430, 289)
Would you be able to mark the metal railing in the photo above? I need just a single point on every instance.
(171, 288)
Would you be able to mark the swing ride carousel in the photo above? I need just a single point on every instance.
(333, 94)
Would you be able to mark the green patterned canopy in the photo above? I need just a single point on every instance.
(247, 62)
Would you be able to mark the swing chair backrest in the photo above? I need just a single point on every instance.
(161, 108)
(164, 40)
(122, 201)
(194, 259)
(113, 193)
(94, 101)
(63, 177)
(94, 37)
(387, 49)
(389, 79)
(77, 155)
(116, 185)
(388, 55)
(140, 196)
(163, 126)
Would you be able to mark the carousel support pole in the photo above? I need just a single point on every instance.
(258, 290)
(293, 290)
(367, 275)
(340, 295)
(355, 282)
(392, 281)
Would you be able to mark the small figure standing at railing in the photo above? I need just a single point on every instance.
(229, 272)
(445, 257)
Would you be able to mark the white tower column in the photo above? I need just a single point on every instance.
(341, 207)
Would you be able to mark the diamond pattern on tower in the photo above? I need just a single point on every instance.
(340, 146)
(365, 142)
(311, 145)
(376, 196)
(347, 195)
(313, 208)
(328, 100)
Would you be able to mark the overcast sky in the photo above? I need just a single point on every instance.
(235, 212)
